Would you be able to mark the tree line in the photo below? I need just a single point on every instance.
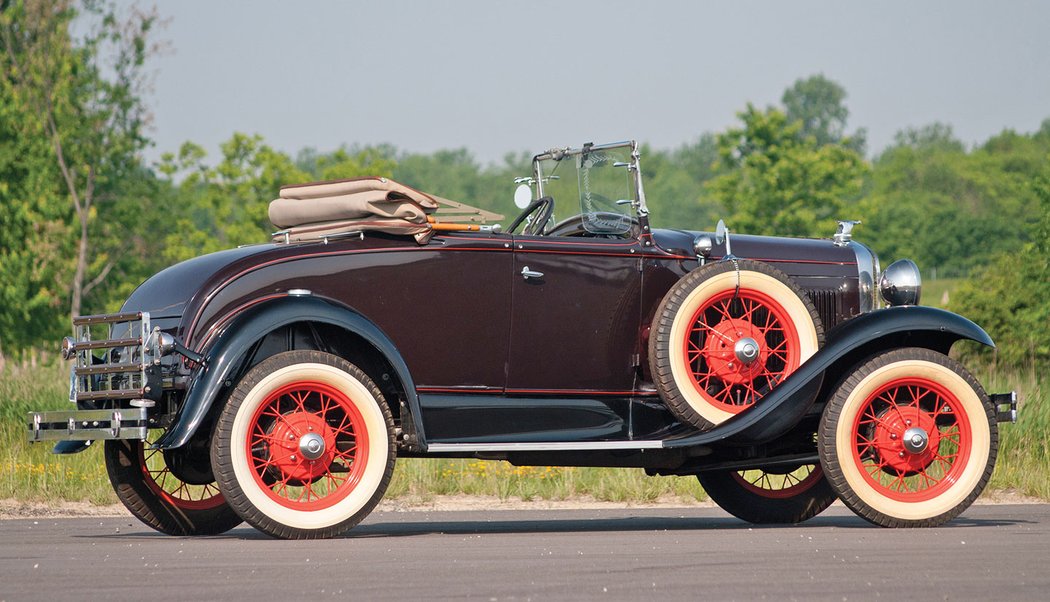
(84, 218)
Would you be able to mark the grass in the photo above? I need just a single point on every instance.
(938, 292)
(29, 472)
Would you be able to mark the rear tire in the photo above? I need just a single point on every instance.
(148, 489)
(304, 448)
(762, 497)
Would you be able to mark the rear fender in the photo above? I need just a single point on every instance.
(867, 334)
(224, 357)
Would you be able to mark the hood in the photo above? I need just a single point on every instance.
(167, 293)
(760, 248)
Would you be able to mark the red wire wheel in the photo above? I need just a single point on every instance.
(909, 439)
(304, 447)
(740, 344)
(160, 498)
(175, 491)
(775, 485)
(764, 496)
(726, 335)
(308, 445)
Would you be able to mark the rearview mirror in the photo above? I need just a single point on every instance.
(522, 196)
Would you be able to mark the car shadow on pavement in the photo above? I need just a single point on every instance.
(570, 524)
(466, 527)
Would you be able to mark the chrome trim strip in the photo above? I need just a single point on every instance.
(550, 446)
(868, 274)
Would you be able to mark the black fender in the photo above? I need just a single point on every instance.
(853, 340)
(225, 355)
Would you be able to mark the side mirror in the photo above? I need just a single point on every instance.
(522, 196)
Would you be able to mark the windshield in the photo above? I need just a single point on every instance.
(595, 183)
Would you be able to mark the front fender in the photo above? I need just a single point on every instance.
(874, 332)
(225, 355)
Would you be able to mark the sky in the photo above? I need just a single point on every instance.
(498, 77)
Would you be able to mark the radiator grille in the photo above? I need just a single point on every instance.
(829, 306)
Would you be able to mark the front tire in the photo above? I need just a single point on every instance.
(909, 439)
(304, 448)
(770, 497)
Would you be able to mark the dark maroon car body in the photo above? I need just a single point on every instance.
(492, 357)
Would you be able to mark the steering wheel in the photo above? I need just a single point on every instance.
(543, 207)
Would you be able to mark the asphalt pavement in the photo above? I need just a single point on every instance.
(990, 552)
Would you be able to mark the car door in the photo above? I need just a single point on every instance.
(575, 315)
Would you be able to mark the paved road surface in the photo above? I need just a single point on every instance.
(990, 553)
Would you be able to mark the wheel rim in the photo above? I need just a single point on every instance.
(738, 346)
(779, 485)
(307, 446)
(159, 478)
(912, 439)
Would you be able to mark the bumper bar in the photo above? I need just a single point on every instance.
(1005, 406)
(88, 425)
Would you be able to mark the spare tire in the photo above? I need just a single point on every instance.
(725, 335)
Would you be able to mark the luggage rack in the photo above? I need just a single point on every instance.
(106, 368)
(120, 371)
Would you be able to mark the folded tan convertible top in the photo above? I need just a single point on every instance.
(322, 210)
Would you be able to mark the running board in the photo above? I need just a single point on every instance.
(544, 446)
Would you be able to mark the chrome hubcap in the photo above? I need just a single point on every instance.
(311, 445)
(746, 350)
(915, 440)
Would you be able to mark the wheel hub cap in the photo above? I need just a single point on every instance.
(302, 446)
(907, 439)
(312, 446)
(736, 351)
(915, 440)
(746, 350)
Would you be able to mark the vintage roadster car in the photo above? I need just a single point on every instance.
(277, 383)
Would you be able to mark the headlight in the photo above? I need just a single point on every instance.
(901, 283)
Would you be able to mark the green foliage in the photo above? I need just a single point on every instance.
(772, 180)
(72, 127)
(455, 174)
(1010, 297)
(946, 208)
(222, 206)
(674, 184)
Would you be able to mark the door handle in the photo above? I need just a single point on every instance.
(526, 273)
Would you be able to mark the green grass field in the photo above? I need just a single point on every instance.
(29, 472)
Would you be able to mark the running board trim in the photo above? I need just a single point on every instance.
(544, 446)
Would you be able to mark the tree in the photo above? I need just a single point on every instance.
(818, 104)
(84, 97)
(674, 184)
(774, 181)
(1010, 297)
(950, 209)
(34, 228)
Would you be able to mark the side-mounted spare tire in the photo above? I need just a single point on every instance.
(725, 335)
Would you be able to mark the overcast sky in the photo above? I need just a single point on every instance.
(496, 77)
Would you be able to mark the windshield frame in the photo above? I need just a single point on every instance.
(634, 168)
